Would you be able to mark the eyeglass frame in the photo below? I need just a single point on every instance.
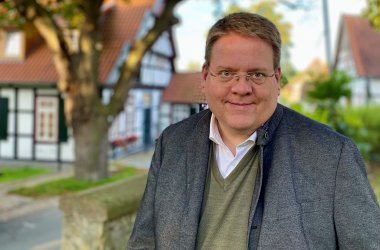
(248, 77)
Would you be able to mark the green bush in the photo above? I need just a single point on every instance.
(361, 124)
(321, 116)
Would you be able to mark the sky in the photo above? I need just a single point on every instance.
(307, 35)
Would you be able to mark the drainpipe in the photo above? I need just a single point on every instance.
(327, 34)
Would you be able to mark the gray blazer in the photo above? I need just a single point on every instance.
(312, 190)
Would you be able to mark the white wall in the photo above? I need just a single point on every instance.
(21, 129)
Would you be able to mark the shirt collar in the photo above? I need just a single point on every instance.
(215, 135)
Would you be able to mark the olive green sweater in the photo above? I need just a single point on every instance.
(227, 203)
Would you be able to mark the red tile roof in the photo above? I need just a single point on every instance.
(365, 45)
(184, 88)
(120, 26)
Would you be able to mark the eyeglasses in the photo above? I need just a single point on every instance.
(227, 76)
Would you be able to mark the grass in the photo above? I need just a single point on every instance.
(8, 174)
(71, 185)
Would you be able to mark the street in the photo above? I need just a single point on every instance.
(35, 231)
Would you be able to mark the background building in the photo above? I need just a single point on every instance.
(358, 53)
(31, 108)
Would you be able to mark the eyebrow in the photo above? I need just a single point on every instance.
(258, 69)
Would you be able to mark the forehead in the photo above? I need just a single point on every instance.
(235, 50)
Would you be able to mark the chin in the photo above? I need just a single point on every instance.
(243, 127)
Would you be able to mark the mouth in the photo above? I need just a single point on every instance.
(241, 105)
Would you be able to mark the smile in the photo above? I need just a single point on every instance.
(240, 105)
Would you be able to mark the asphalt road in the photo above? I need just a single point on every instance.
(36, 231)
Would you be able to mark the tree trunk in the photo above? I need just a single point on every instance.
(91, 149)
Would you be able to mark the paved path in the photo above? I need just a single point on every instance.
(36, 231)
(26, 223)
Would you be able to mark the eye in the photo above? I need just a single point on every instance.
(225, 73)
(257, 75)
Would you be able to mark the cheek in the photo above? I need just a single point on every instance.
(267, 94)
(215, 92)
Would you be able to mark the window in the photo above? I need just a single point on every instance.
(12, 48)
(46, 123)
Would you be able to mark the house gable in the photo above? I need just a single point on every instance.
(121, 25)
(358, 40)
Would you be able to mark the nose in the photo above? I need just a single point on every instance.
(242, 86)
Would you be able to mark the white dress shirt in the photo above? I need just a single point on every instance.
(226, 160)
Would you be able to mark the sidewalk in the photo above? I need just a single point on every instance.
(13, 206)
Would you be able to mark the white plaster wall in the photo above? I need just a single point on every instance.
(358, 88)
(163, 45)
(375, 89)
(106, 96)
(24, 147)
(156, 70)
(180, 112)
(25, 123)
(25, 99)
(7, 148)
(46, 151)
(165, 115)
(155, 129)
(67, 149)
(11, 122)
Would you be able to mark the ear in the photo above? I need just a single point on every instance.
(204, 77)
(277, 75)
(204, 72)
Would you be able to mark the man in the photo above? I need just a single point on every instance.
(250, 173)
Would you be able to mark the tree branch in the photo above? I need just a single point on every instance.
(131, 66)
(46, 25)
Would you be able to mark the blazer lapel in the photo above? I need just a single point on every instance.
(198, 150)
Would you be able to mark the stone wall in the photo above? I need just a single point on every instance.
(101, 218)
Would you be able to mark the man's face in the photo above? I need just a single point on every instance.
(241, 106)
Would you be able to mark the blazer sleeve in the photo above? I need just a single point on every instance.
(356, 211)
(143, 234)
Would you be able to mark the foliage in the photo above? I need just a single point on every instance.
(321, 117)
(363, 126)
(327, 91)
(372, 12)
(69, 12)
(359, 123)
(331, 88)
(70, 185)
(374, 179)
(12, 173)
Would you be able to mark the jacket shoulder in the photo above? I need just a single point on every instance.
(308, 128)
(183, 129)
